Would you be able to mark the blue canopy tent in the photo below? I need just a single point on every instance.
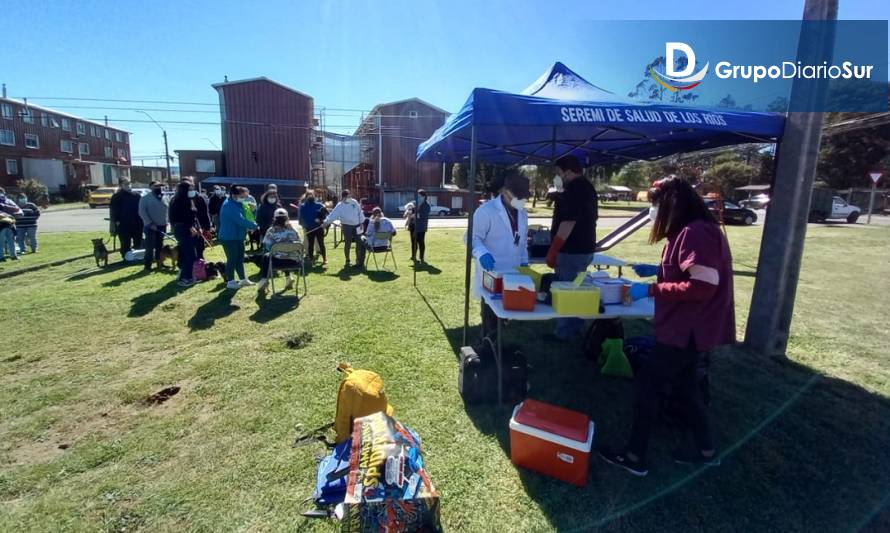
(562, 113)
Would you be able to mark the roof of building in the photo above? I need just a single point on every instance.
(199, 151)
(260, 78)
(60, 113)
(414, 99)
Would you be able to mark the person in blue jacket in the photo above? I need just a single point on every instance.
(312, 215)
(233, 227)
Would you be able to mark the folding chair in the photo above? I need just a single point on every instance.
(386, 250)
(288, 251)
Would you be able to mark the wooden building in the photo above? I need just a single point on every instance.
(61, 150)
(389, 173)
(266, 129)
(201, 164)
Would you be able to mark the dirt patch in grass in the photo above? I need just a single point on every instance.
(162, 395)
(298, 340)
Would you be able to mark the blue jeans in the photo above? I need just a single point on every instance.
(567, 268)
(29, 235)
(186, 242)
(7, 243)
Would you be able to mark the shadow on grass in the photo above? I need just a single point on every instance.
(117, 282)
(219, 307)
(745, 273)
(98, 271)
(269, 309)
(381, 276)
(147, 302)
(800, 451)
(427, 268)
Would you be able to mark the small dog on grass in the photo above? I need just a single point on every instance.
(168, 252)
(216, 270)
(100, 252)
(254, 239)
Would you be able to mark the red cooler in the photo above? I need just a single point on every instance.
(551, 440)
(493, 281)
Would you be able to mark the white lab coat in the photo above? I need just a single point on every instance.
(493, 234)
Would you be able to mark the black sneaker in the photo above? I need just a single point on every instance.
(686, 457)
(637, 468)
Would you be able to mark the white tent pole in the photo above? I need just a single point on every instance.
(472, 210)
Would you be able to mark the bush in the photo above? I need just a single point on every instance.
(34, 190)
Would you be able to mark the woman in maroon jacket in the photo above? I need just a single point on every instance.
(694, 313)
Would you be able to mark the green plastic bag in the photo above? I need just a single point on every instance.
(248, 212)
(612, 360)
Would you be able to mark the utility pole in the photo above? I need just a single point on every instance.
(166, 150)
(797, 154)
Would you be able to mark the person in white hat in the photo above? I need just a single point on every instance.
(279, 231)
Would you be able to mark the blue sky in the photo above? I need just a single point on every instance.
(348, 55)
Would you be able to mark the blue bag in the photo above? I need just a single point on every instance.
(330, 482)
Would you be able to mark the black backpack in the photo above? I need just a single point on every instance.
(477, 377)
(599, 331)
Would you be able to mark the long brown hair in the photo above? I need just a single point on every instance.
(678, 206)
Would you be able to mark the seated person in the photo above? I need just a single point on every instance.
(279, 231)
(377, 224)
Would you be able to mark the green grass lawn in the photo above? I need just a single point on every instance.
(805, 441)
(55, 246)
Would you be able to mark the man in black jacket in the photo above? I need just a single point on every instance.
(124, 215)
(217, 197)
(202, 216)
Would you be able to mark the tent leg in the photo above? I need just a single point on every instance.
(469, 259)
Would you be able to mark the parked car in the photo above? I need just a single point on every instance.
(732, 213)
(758, 201)
(100, 197)
(825, 204)
(435, 210)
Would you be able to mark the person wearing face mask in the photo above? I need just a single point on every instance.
(312, 213)
(378, 223)
(499, 240)
(572, 233)
(153, 214)
(694, 313)
(349, 213)
(184, 219)
(265, 213)
(217, 197)
(26, 225)
(279, 231)
(203, 223)
(124, 217)
(233, 228)
(421, 220)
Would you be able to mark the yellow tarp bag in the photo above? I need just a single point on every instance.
(361, 394)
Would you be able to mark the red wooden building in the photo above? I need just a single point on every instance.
(201, 164)
(266, 129)
(389, 173)
(59, 149)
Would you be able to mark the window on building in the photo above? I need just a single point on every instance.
(66, 124)
(122, 153)
(412, 114)
(108, 152)
(205, 165)
(12, 167)
(6, 111)
(44, 120)
(107, 135)
(118, 137)
(32, 141)
(27, 116)
(94, 131)
(83, 148)
(7, 137)
(67, 146)
(81, 128)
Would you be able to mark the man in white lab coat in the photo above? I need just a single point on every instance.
(349, 213)
(500, 235)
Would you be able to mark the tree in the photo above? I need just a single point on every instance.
(727, 173)
(846, 158)
(460, 175)
(34, 190)
(540, 178)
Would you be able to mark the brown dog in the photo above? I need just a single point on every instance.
(168, 252)
(100, 252)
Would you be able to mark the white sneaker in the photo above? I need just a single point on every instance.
(289, 284)
(246, 283)
(261, 286)
(233, 284)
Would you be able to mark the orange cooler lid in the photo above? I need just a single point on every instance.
(560, 421)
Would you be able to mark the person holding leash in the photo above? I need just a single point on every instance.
(153, 213)
(233, 227)
(350, 215)
(311, 217)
